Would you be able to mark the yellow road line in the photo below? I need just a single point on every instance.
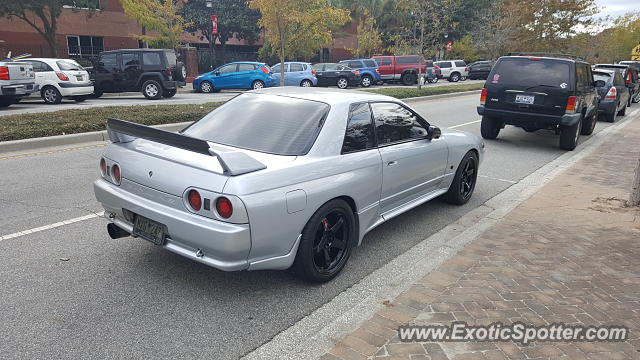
(22, 156)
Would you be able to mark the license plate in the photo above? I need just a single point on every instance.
(149, 230)
(525, 99)
(79, 78)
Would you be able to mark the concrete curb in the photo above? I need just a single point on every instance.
(316, 333)
(71, 139)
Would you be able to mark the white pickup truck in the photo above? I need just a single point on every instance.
(16, 81)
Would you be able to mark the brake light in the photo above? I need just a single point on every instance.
(116, 176)
(62, 76)
(103, 167)
(355, 72)
(571, 104)
(264, 70)
(224, 207)
(4, 73)
(313, 72)
(378, 71)
(628, 81)
(466, 69)
(612, 94)
(483, 96)
(195, 201)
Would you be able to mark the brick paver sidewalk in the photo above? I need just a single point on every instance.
(568, 254)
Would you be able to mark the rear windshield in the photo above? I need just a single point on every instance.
(525, 72)
(68, 65)
(601, 76)
(265, 123)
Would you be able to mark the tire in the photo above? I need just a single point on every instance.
(342, 83)
(306, 83)
(489, 128)
(622, 112)
(6, 102)
(79, 98)
(152, 90)
(570, 136)
(589, 125)
(408, 79)
(96, 94)
(206, 87)
(366, 81)
(464, 182)
(181, 72)
(316, 248)
(51, 95)
(257, 84)
(636, 97)
(463, 78)
(455, 77)
(610, 117)
(169, 93)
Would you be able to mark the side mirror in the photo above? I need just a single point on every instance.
(217, 73)
(599, 83)
(433, 132)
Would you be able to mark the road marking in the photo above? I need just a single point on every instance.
(498, 179)
(465, 124)
(51, 226)
(21, 156)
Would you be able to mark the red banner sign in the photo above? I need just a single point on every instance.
(214, 24)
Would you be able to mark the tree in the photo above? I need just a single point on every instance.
(298, 27)
(464, 49)
(235, 18)
(368, 37)
(160, 17)
(42, 15)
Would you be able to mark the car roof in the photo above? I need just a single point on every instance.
(329, 96)
(540, 57)
(45, 59)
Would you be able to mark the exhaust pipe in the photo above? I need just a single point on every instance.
(116, 232)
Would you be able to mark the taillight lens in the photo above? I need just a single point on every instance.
(195, 200)
(103, 167)
(264, 70)
(628, 78)
(466, 69)
(571, 104)
(483, 96)
(115, 174)
(224, 207)
(62, 76)
(378, 71)
(4, 73)
(313, 72)
(612, 94)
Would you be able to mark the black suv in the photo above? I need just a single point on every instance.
(535, 92)
(156, 73)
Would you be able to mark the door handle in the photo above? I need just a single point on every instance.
(392, 163)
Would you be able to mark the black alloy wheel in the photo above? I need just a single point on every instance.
(464, 182)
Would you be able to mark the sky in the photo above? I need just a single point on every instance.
(615, 8)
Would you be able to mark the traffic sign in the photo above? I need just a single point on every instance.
(214, 24)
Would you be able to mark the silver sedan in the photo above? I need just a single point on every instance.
(281, 177)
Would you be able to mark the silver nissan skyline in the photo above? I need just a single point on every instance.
(281, 177)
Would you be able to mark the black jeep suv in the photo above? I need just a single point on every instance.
(155, 72)
(535, 92)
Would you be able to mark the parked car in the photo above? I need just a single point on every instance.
(17, 80)
(635, 64)
(613, 92)
(540, 92)
(405, 69)
(631, 78)
(368, 70)
(295, 74)
(213, 192)
(60, 78)
(235, 75)
(480, 70)
(332, 74)
(453, 70)
(155, 72)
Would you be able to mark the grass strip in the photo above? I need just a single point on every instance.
(403, 93)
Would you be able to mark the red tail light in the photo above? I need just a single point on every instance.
(483, 96)
(224, 207)
(628, 81)
(195, 201)
(4, 73)
(466, 69)
(115, 174)
(355, 72)
(62, 76)
(264, 70)
(313, 72)
(571, 104)
(612, 94)
(103, 167)
(378, 71)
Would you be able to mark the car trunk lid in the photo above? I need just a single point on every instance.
(19, 70)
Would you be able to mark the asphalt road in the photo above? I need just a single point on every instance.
(35, 104)
(72, 292)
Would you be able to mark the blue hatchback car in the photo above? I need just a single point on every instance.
(368, 70)
(235, 75)
(295, 74)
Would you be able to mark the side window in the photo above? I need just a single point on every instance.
(460, 64)
(275, 68)
(109, 62)
(227, 69)
(130, 60)
(370, 63)
(385, 61)
(359, 134)
(617, 79)
(354, 64)
(151, 58)
(394, 123)
(444, 64)
(246, 67)
(295, 67)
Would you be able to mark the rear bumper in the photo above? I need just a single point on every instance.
(608, 106)
(22, 89)
(76, 89)
(524, 119)
(222, 245)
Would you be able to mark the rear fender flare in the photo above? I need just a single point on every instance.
(148, 76)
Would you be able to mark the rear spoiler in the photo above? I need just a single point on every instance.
(233, 162)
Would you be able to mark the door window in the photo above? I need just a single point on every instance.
(151, 59)
(461, 64)
(39, 66)
(370, 63)
(130, 61)
(227, 69)
(295, 67)
(408, 59)
(359, 134)
(444, 64)
(246, 67)
(385, 61)
(394, 123)
(354, 64)
(109, 62)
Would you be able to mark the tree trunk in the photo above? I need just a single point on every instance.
(53, 45)
(634, 199)
(282, 52)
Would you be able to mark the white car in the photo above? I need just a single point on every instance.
(453, 70)
(61, 78)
